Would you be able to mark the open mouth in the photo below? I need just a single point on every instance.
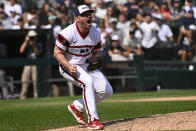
(88, 21)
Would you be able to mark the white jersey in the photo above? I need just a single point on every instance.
(149, 34)
(16, 7)
(78, 47)
(164, 33)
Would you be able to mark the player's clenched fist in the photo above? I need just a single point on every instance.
(73, 70)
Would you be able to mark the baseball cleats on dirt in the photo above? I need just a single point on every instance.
(77, 114)
(95, 125)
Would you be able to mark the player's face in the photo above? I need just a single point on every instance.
(85, 19)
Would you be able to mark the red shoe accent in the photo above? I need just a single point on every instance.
(77, 114)
(95, 124)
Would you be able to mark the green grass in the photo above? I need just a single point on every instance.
(48, 113)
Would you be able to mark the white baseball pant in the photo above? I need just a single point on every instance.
(95, 88)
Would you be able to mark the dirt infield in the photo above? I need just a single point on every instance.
(171, 121)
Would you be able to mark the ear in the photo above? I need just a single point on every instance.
(76, 19)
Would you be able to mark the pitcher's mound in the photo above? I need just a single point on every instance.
(171, 121)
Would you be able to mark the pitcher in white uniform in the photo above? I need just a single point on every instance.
(74, 45)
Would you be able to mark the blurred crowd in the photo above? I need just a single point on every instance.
(155, 29)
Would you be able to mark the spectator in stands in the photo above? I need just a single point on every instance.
(123, 24)
(5, 20)
(115, 51)
(13, 6)
(53, 25)
(165, 34)
(88, 2)
(123, 10)
(32, 49)
(176, 11)
(30, 16)
(133, 8)
(185, 23)
(8, 21)
(139, 19)
(116, 31)
(45, 12)
(105, 34)
(64, 15)
(187, 50)
(3, 88)
(109, 3)
(100, 11)
(132, 44)
(19, 25)
(110, 15)
(120, 4)
(149, 30)
(164, 11)
(135, 28)
(14, 17)
(126, 13)
(36, 24)
(165, 39)
(188, 5)
(150, 7)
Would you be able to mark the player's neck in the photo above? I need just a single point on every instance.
(81, 28)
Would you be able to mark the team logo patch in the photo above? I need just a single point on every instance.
(75, 41)
(83, 51)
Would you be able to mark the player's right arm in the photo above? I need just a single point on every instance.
(63, 41)
(58, 54)
(24, 44)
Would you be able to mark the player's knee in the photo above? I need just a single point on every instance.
(109, 92)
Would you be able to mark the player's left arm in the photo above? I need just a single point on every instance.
(59, 55)
(96, 60)
(97, 51)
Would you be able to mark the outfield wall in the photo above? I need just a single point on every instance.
(167, 78)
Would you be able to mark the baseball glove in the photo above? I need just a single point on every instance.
(94, 62)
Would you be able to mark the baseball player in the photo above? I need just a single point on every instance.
(74, 45)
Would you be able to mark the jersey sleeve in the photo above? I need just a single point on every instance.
(98, 46)
(64, 39)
